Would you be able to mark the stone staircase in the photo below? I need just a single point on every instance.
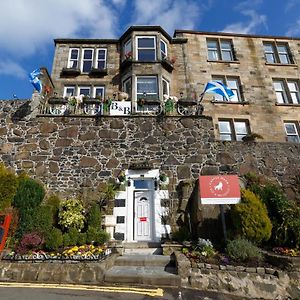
(143, 265)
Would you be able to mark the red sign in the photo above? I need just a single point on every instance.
(219, 189)
(4, 230)
(143, 219)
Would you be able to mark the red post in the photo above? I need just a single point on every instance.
(4, 228)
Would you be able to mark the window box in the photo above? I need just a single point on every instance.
(126, 63)
(91, 100)
(71, 72)
(57, 101)
(95, 72)
(187, 102)
(167, 64)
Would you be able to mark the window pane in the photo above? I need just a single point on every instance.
(148, 54)
(147, 85)
(240, 127)
(225, 137)
(224, 127)
(143, 184)
(84, 91)
(290, 128)
(74, 54)
(282, 49)
(293, 139)
(87, 66)
(99, 91)
(268, 48)
(101, 64)
(226, 45)
(212, 44)
(270, 58)
(283, 58)
(165, 87)
(213, 55)
(163, 47)
(146, 42)
(226, 55)
(101, 54)
(88, 54)
(278, 85)
(69, 91)
(293, 87)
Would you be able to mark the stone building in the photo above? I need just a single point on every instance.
(166, 134)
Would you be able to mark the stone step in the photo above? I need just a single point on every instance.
(158, 276)
(145, 260)
(128, 245)
(145, 251)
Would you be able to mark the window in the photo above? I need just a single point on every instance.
(292, 132)
(287, 91)
(233, 130)
(87, 60)
(127, 86)
(101, 59)
(84, 90)
(120, 219)
(120, 202)
(277, 53)
(166, 87)
(73, 58)
(163, 49)
(220, 50)
(146, 86)
(69, 91)
(146, 48)
(232, 83)
(127, 50)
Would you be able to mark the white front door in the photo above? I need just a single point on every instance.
(143, 215)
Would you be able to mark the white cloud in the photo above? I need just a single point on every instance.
(291, 4)
(119, 3)
(9, 67)
(294, 30)
(29, 25)
(170, 14)
(256, 20)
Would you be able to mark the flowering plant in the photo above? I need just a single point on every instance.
(128, 55)
(286, 251)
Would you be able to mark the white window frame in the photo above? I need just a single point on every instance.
(99, 87)
(288, 96)
(237, 91)
(83, 87)
(277, 54)
(83, 60)
(69, 87)
(146, 107)
(296, 135)
(125, 48)
(162, 53)
(137, 48)
(218, 50)
(97, 57)
(234, 134)
(129, 79)
(71, 60)
(167, 85)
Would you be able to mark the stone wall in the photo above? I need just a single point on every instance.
(76, 154)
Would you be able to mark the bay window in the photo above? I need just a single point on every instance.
(146, 48)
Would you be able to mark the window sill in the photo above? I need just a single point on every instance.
(224, 61)
(230, 102)
(287, 104)
(279, 64)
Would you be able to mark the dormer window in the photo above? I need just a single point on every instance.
(146, 48)
(163, 49)
(73, 58)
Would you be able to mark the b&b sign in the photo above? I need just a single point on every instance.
(120, 108)
(219, 189)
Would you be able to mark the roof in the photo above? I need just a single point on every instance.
(179, 31)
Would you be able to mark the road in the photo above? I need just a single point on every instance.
(19, 291)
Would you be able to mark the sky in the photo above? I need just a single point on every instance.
(28, 27)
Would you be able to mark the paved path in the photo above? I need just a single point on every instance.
(21, 291)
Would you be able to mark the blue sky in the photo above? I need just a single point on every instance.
(28, 27)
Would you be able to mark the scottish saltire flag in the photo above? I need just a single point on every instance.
(35, 81)
(218, 87)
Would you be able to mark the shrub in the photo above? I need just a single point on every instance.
(250, 218)
(30, 242)
(74, 236)
(242, 250)
(81, 238)
(43, 219)
(66, 240)
(8, 187)
(205, 247)
(54, 239)
(53, 202)
(71, 214)
(96, 236)
(182, 234)
(30, 193)
(94, 216)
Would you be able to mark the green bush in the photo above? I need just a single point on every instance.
(250, 218)
(53, 201)
(74, 236)
(66, 240)
(43, 219)
(94, 216)
(81, 239)
(71, 214)
(96, 236)
(182, 234)
(54, 239)
(30, 194)
(242, 250)
(8, 187)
